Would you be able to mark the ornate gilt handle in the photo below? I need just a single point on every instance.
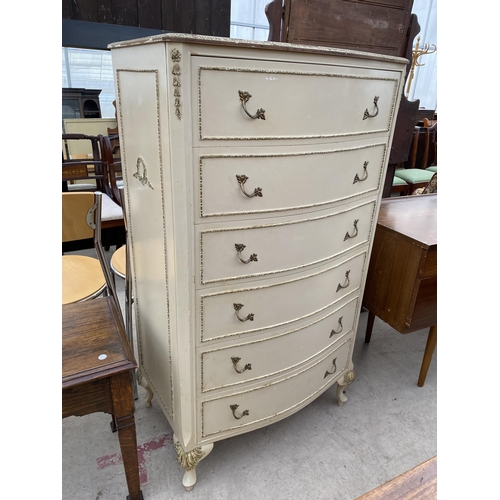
(346, 283)
(239, 248)
(367, 113)
(236, 360)
(243, 413)
(244, 98)
(347, 235)
(365, 174)
(339, 329)
(241, 181)
(237, 308)
(334, 362)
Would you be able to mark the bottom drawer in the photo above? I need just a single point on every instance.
(255, 407)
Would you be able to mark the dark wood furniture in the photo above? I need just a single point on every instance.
(97, 362)
(417, 483)
(356, 26)
(80, 103)
(401, 287)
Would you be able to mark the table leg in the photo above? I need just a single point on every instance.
(369, 327)
(429, 351)
(123, 416)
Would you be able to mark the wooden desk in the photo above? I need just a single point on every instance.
(401, 287)
(418, 483)
(96, 374)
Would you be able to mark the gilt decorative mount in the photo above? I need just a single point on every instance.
(142, 173)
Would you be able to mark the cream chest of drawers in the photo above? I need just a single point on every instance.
(253, 175)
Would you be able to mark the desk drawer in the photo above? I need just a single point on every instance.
(276, 181)
(279, 302)
(340, 102)
(264, 249)
(241, 363)
(275, 400)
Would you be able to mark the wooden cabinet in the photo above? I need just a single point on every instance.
(253, 175)
(80, 103)
(401, 286)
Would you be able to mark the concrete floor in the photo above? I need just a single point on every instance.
(324, 451)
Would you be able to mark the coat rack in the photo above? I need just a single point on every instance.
(416, 54)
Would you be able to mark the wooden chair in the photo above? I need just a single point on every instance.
(112, 166)
(422, 155)
(399, 186)
(91, 170)
(84, 277)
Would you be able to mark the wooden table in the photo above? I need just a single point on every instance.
(401, 287)
(418, 483)
(96, 374)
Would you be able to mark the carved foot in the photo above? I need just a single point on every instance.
(189, 460)
(347, 379)
(141, 380)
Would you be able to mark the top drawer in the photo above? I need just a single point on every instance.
(297, 101)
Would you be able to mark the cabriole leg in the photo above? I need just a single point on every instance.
(189, 460)
(347, 379)
(141, 380)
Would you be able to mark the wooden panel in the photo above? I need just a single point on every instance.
(202, 17)
(87, 398)
(148, 13)
(428, 266)
(373, 26)
(419, 482)
(423, 310)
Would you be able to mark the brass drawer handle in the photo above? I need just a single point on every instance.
(241, 181)
(357, 178)
(336, 332)
(244, 98)
(367, 113)
(347, 235)
(239, 248)
(236, 360)
(334, 362)
(346, 283)
(243, 413)
(237, 308)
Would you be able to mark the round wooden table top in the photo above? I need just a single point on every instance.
(82, 278)
(118, 262)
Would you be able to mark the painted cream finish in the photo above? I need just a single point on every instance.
(253, 175)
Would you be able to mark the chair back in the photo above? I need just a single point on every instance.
(112, 166)
(82, 160)
(77, 208)
(81, 219)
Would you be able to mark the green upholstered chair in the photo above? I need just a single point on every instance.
(414, 177)
(400, 186)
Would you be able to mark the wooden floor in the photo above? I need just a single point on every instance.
(419, 483)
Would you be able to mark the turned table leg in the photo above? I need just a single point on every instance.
(429, 351)
(123, 416)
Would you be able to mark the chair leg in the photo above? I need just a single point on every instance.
(429, 351)
(369, 327)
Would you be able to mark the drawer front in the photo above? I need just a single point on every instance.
(264, 249)
(241, 363)
(227, 313)
(276, 400)
(340, 101)
(259, 183)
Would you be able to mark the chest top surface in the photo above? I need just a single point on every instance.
(254, 44)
